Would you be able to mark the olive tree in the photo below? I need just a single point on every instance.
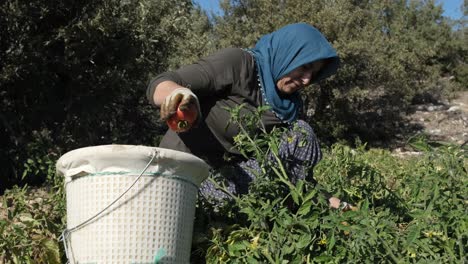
(74, 74)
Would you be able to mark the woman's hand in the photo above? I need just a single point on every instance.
(338, 204)
(181, 98)
(180, 109)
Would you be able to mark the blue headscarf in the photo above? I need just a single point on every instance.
(282, 51)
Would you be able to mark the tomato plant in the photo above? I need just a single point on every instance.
(411, 210)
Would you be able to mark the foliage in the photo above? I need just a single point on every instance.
(73, 74)
(410, 210)
(457, 65)
(198, 41)
(77, 71)
(30, 223)
(31, 219)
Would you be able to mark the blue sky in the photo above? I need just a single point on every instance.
(452, 8)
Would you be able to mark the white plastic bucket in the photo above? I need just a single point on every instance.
(117, 214)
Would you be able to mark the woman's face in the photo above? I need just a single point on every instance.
(299, 77)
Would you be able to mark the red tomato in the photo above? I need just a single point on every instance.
(182, 121)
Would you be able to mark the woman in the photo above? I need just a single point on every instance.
(272, 73)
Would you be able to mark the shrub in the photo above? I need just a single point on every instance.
(79, 70)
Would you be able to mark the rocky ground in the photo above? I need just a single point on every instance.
(445, 121)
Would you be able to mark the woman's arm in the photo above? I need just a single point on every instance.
(209, 76)
(163, 89)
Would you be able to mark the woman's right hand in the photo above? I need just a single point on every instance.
(182, 98)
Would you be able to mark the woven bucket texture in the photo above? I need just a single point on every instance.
(151, 223)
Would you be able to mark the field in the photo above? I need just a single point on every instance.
(73, 74)
(411, 209)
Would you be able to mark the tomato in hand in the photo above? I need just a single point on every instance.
(182, 121)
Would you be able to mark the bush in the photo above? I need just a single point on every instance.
(78, 72)
(31, 221)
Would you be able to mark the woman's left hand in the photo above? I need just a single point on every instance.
(338, 204)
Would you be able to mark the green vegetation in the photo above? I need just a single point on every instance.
(410, 210)
(74, 74)
(31, 221)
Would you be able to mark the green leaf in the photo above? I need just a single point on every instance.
(310, 195)
(332, 242)
(300, 186)
(413, 233)
(305, 208)
(420, 143)
(304, 241)
(288, 249)
(52, 251)
(237, 246)
(323, 258)
(295, 196)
